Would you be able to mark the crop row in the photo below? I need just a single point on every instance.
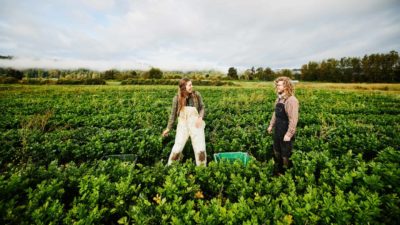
(80, 124)
(319, 189)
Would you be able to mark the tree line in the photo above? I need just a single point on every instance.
(112, 74)
(370, 68)
(261, 74)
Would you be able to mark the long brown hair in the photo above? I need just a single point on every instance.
(182, 93)
(287, 84)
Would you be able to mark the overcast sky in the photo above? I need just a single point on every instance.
(193, 34)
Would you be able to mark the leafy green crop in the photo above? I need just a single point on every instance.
(54, 142)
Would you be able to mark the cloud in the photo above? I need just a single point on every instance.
(178, 34)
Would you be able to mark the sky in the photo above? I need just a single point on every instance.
(193, 34)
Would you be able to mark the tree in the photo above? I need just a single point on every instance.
(357, 69)
(392, 63)
(310, 71)
(31, 73)
(10, 72)
(110, 74)
(396, 66)
(370, 68)
(366, 69)
(285, 73)
(123, 75)
(132, 74)
(249, 74)
(252, 73)
(54, 73)
(259, 73)
(43, 73)
(328, 70)
(232, 73)
(155, 73)
(269, 74)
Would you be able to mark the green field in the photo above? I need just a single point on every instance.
(55, 141)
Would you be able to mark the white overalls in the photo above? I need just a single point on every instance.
(187, 127)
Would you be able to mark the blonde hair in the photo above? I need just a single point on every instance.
(287, 84)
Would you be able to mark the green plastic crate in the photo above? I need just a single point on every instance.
(232, 156)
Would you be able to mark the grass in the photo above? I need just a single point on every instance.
(353, 86)
(317, 85)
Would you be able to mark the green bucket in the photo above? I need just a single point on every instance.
(232, 156)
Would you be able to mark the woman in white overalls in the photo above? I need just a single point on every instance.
(188, 106)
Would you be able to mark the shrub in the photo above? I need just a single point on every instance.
(88, 81)
(8, 80)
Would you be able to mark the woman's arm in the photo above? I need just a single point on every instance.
(172, 116)
(201, 106)
(292, 110)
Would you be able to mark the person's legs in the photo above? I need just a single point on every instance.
(197, 137)
(278, 156)
(287, 147)
(182, 135)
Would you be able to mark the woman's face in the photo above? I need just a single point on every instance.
(189, 87)
(280, 88)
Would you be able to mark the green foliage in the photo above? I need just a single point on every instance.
(175, 82)
(87, 81)
(155, 73)
(10, 72)
(8, 80)
(371, 68)
(232, 73)
(54, 142)
(39, 81)
(114, 192)
(63, 81)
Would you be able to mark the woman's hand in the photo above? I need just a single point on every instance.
(199, 122)
(165, 132)
(286, 138)
(269, 130)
